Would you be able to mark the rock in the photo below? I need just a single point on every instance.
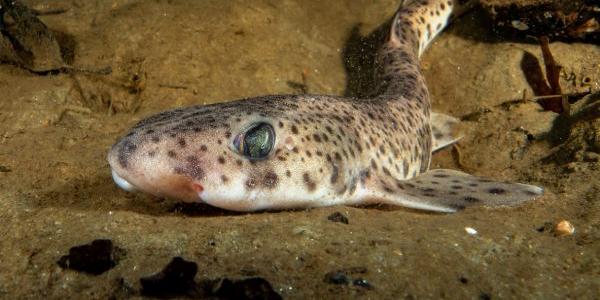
(95, 258)
(252, 288)
(176, 279)
(338, 217)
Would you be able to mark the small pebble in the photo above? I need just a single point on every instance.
(338, 217)
(471, 230)
(337, 277)
(564, 228)
(362, 283)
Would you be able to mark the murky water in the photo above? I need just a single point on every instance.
(56, 189)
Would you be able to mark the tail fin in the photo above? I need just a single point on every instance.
(415, 25)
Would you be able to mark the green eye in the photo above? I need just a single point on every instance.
(257, 142)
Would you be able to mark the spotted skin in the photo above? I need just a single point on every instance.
(328, 150)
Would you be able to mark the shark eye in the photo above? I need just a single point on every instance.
(257, 142)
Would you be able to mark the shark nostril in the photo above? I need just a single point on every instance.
(198, 188)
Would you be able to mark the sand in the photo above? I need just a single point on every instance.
(56, 191)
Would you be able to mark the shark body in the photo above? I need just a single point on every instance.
(291, 151)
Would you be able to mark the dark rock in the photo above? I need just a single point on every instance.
(252, 288)
(175, 280)
(336, 277)
(95, 258)
(344, 276)
(362, 283)
(338, 217)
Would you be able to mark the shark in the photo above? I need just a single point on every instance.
(299, 151)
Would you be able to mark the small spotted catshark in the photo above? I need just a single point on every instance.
(293, 151)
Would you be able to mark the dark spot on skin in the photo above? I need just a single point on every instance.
(338, 157)
(155, 139)
(294, 129)
(221, 160)
(270, 180)
(497, 191)
(151, 153)
(288, 173)
(250, 183)
(334, 174)
(295, 150)
(319, 153)
(317, 138)
(224, 179)
(227, 134)
(386, 171)
(473, 184)
(203, 148)
(280, 124)
(171, 154)
(239, 162)
(281, 158)
(440, 175)
(471, 199)
(308, 153)
(456, 187)
(373, 164)
(219, 142)
(181, 142)
(311, 185)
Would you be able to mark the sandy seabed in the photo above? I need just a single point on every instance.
(56, 191)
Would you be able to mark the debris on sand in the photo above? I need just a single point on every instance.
(177, 280)
(471, 230)
(94, 258)
(564, 228)
(338, 217)
(573, 20)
